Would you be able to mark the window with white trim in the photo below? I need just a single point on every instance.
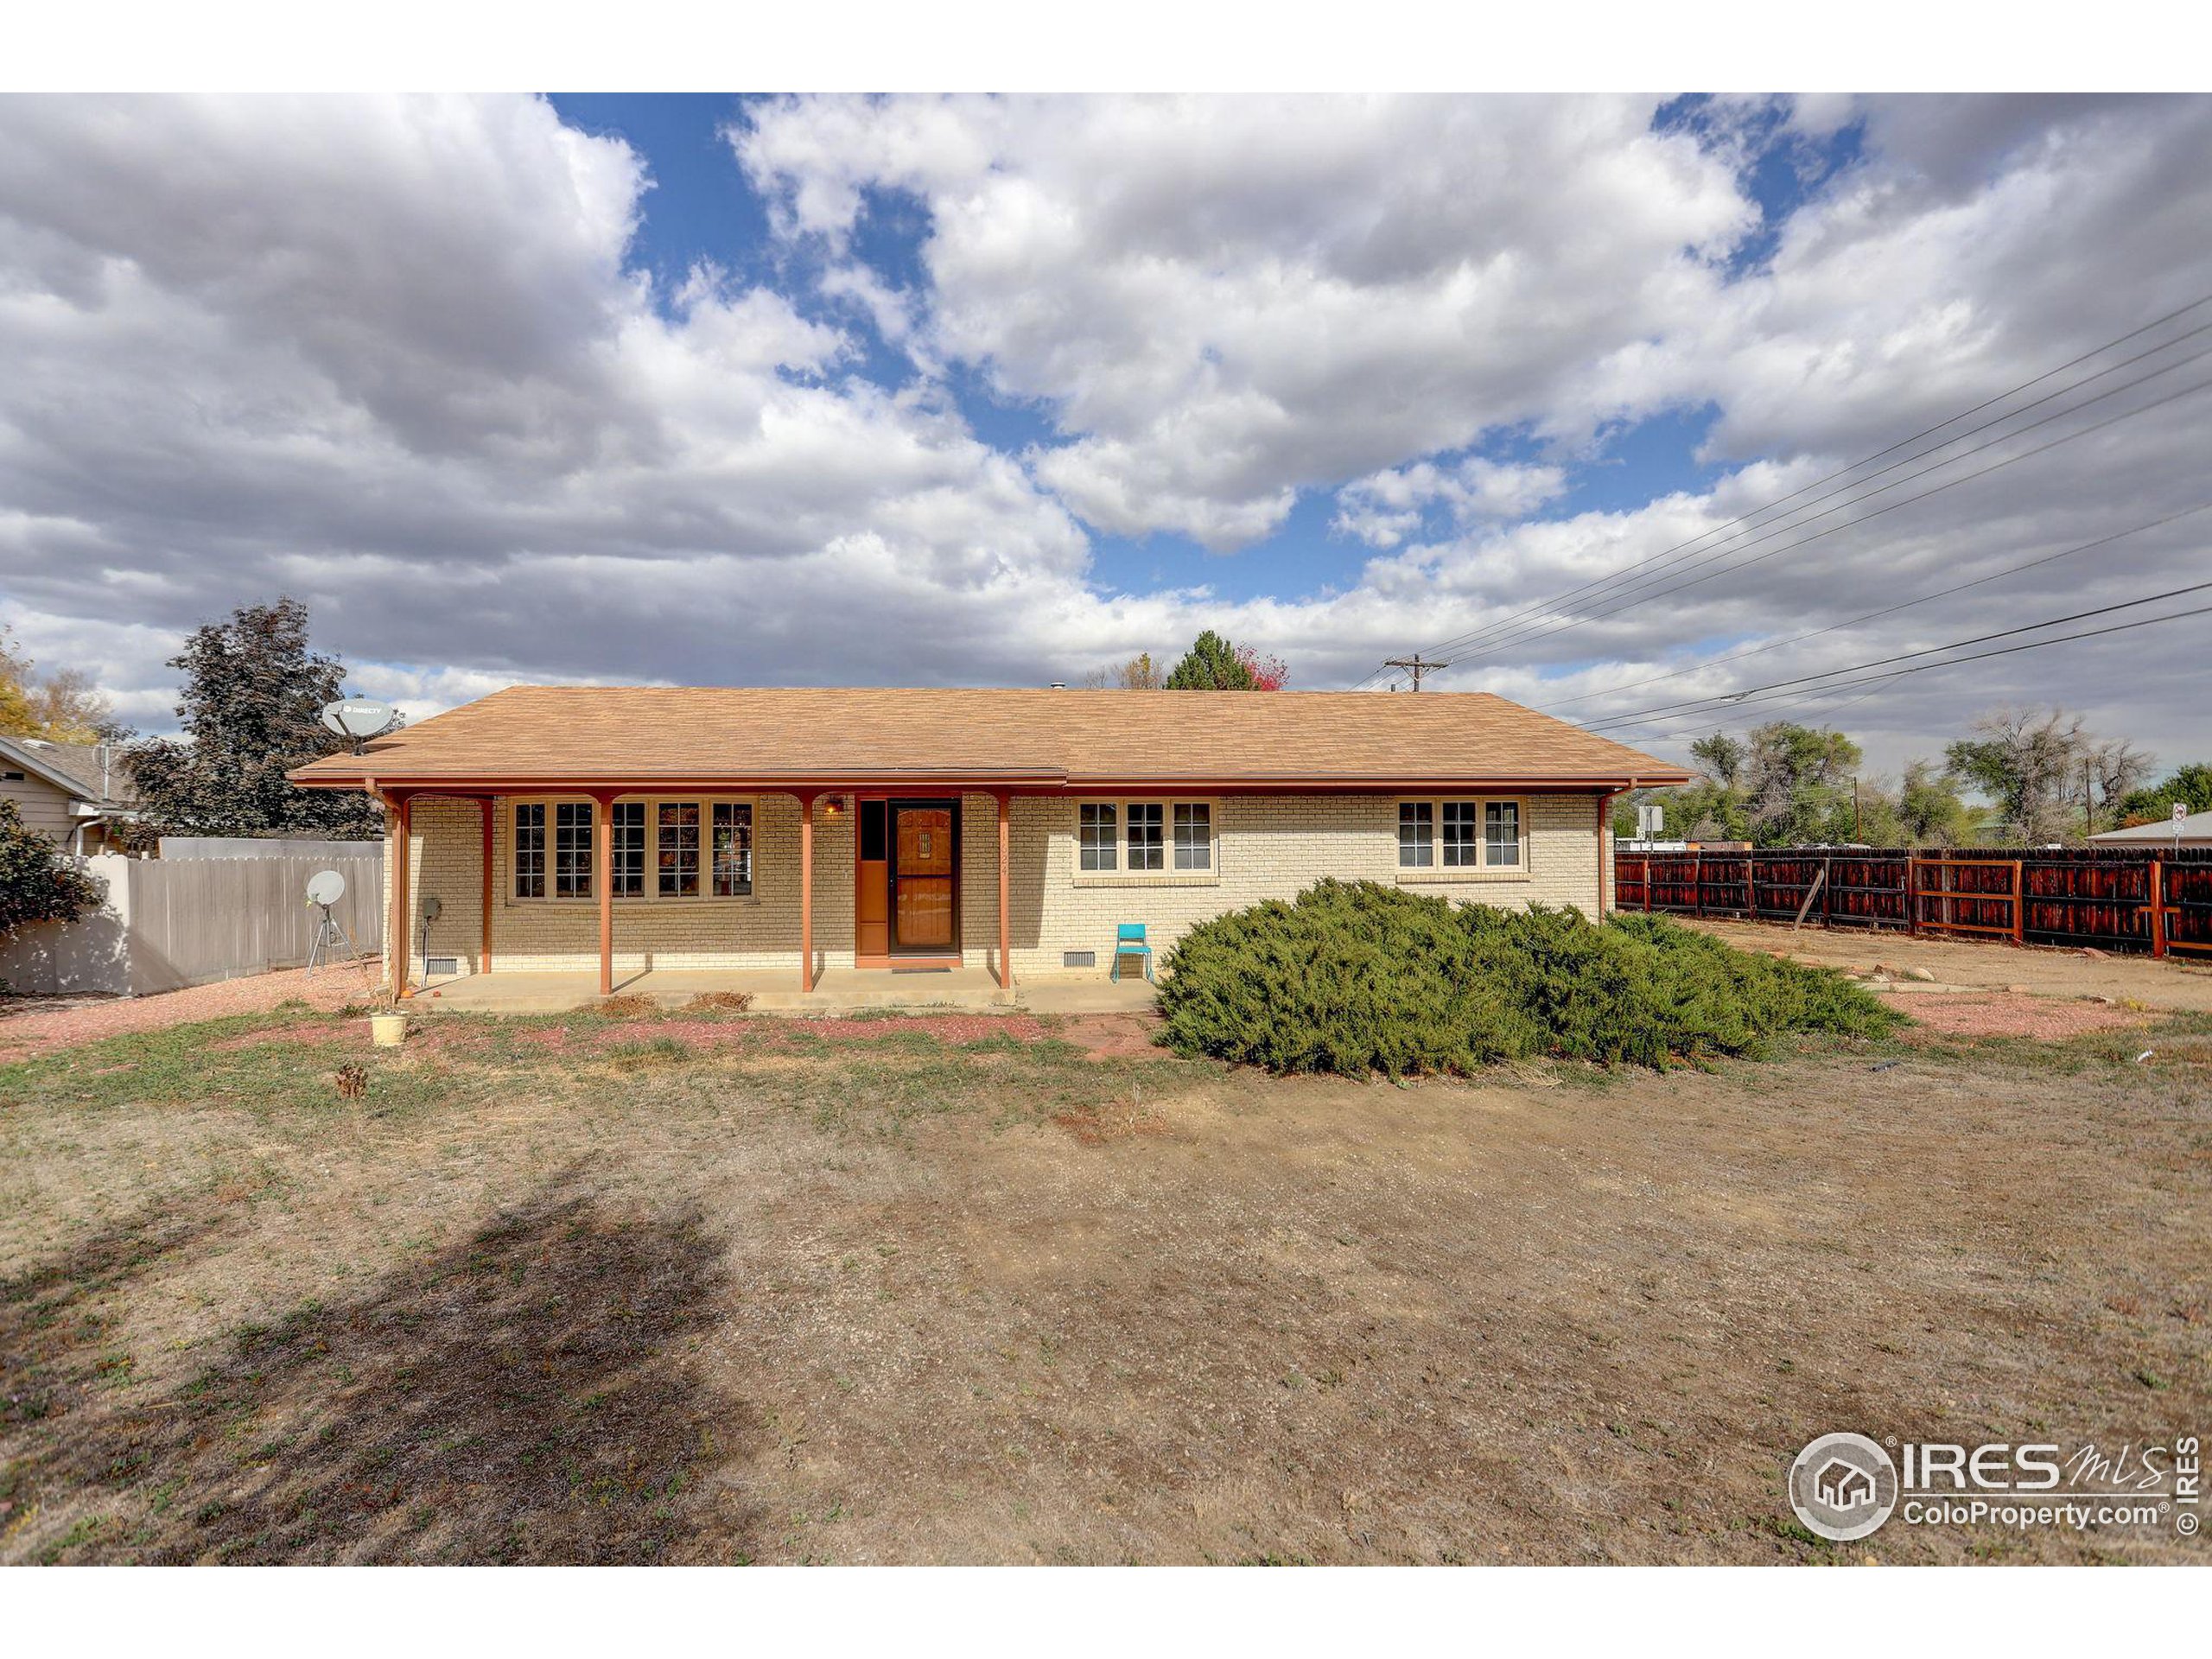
(1502, 833)
(684, 849)
(1154, 837)
(1466, 834)
(629, 848)
(1097, 836)
(677, 848)
(732, 872)
(1193, 835)
(1416, 834)
(1145, 823)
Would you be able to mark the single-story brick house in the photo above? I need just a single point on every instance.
(629, 829)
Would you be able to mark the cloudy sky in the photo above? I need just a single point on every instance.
(706, 390)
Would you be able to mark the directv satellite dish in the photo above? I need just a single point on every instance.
(326, 887)
(357, 718)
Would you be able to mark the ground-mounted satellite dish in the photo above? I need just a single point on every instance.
(359, 718)
(326, 888)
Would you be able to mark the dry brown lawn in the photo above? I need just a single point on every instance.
(725, 1289)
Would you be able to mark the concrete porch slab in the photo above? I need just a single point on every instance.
(837, 990)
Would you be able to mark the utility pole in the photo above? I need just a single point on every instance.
(2089, 802)
(1415, 663)
(1857, 830)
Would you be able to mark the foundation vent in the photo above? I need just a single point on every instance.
(1078, 959)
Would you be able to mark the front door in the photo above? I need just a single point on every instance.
(924, 876)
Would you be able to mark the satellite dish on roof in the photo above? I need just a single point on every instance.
(326, 887)
(357, 718)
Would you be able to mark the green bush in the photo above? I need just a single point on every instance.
(1357, 978)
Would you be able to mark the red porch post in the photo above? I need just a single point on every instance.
(806, 893)
(401, 905)
(602, 846)
(485, 807)
(1006, 930)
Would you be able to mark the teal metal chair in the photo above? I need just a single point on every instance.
(1129, 941)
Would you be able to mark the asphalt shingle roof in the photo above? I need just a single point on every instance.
(1036, 737)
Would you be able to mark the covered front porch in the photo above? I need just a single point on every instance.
(835, 990)
(872, 896)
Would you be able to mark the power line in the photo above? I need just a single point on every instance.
(1530, 637)
(1745, 519)
(1738, 699)
(1889, 610)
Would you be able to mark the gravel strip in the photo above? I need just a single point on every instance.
(30, 1026)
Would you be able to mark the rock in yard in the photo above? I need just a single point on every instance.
(1920, 973)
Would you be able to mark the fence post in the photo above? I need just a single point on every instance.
(2020, 903)
(1912, 892)
(1697, 880)
(1647, 884)
(2158, 908)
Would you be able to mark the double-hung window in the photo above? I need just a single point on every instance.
(677, 850)
(572, 837)
(1459, 835)
(1416, 834)
(733, 873)
(1193, 835)
(1099, 840)
(1502, 833)
(629, 825)
(530, 849)
(1145, 823)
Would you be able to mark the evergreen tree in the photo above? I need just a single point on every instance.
(253, 698)
(1211, 664)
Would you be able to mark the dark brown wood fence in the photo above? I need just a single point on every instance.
(2116, 901)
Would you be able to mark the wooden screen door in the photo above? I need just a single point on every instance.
(922, 876)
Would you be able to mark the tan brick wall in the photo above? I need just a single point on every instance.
(1267, 847)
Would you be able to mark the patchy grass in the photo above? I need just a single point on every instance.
(691, 1287)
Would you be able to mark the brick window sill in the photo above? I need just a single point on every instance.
(1151, 879)
(1458, 877)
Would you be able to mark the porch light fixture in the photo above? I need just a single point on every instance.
(833, 806)
(359, 718)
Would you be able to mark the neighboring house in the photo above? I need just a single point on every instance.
(2195, 830)
(73, 792)
(569, 828)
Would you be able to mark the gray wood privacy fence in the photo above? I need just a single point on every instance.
(169, 923)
